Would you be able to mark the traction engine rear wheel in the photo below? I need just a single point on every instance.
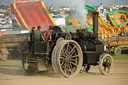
(26, 66)
(67, 58)
(106, 64)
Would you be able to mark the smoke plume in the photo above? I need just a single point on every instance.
(80, 12)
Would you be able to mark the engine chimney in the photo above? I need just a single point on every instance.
(95, 23)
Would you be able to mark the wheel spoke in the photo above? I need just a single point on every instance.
(104, 69)
(70, 64)
(62, 53)
(109, 66)
(65, 68)
(73, 60)
(63, 63)
(74, 64)
(75, 56)
(72, 51)
(67, 48)
(104, 60)
(107, 59)
(62, 57)
(70, 69)
(108, 69)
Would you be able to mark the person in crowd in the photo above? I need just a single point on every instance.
(48, 34)
(32, 33)
(0, 33)
(37, 34)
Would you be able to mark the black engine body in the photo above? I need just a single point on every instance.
(91, 47)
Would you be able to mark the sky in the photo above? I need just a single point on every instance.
(91, 2)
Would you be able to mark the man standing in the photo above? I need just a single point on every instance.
(37, 34)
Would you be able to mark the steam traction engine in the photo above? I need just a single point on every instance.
(67, 53)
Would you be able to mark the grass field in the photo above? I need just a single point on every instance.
(120, 57)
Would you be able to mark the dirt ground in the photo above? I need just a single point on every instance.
(12, 73)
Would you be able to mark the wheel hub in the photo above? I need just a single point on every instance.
(106, 64)
(68, 58)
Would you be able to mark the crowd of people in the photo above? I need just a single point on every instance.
(37, 35)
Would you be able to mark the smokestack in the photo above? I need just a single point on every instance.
(95, 23)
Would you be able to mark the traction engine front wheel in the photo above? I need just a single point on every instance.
(106, 64)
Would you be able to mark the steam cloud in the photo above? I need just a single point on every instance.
(80, 12)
